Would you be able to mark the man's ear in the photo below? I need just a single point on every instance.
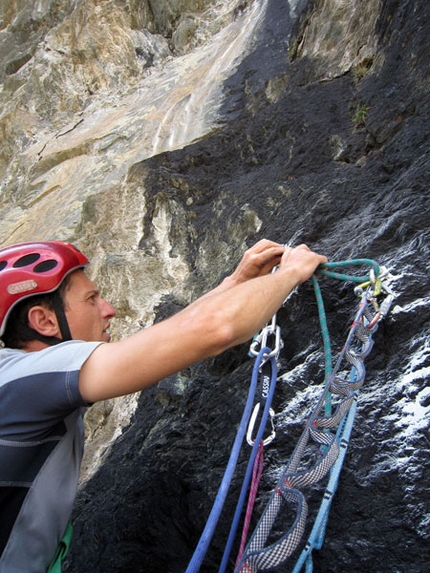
(44, 321)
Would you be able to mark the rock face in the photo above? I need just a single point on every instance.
(164, 137)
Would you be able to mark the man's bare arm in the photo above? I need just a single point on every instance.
(227, 316)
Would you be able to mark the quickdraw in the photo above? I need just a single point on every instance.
(324, 439)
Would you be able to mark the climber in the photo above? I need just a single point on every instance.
(54, 326)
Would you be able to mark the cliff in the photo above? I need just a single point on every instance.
(162, 138)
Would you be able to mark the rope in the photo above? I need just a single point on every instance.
(318, 432)
(331, 448)
(205, 539)
(256, 476)
(326, 340)
(316, 537)
(248, 474)
(324, 270)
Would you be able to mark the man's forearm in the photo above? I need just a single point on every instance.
(243, 308)
(247, 306)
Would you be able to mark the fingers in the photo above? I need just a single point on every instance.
(258, 260)
(264, 255)
(264, 245)
(267, 258)
(302, 261)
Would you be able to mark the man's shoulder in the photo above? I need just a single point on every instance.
(66, 356)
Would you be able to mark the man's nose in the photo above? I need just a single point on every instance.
(107, 309)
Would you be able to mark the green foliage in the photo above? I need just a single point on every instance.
(362, 69)
(359, 117)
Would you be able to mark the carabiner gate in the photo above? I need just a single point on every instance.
(251, 425)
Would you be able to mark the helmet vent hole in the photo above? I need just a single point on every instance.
(26, 260)
(3, 265)
(45, 266)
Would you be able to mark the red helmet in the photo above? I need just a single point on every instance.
(28, 269)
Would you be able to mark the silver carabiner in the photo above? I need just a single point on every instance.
(251, 424)
(260, 341)
(269, 330)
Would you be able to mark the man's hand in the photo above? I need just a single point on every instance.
(257, 261)
(300, 261)
(262, 257)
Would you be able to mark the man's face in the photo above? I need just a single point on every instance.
(87, 313)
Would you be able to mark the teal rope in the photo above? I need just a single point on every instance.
(316, 538)
(328, 359)
(325, 270)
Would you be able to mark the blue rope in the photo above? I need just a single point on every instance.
(248, 474)
(316, 537)
(206, 537)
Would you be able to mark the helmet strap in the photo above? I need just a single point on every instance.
(61, 317)
(58, 307)
(50, 340)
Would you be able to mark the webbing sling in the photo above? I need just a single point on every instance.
(62, 550)
(258, 556)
